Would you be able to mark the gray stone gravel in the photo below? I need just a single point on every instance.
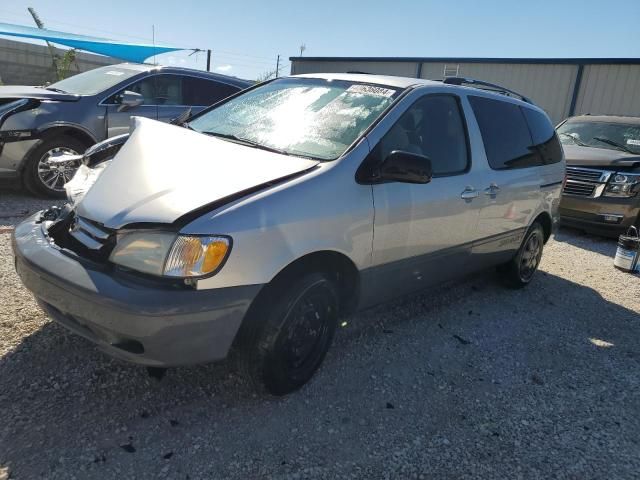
(465, 381)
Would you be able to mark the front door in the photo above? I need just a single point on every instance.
(423, 233)
(170, 97)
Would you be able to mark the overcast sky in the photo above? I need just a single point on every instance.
(246, 36)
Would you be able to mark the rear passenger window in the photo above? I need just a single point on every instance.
(201, 92)
(433, 126)
(544, 136)
(506, 137)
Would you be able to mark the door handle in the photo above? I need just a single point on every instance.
(469, 193)
(492, 190)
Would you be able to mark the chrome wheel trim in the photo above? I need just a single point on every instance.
(530, 256)
(53, 177)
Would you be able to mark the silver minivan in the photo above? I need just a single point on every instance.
(264, 218)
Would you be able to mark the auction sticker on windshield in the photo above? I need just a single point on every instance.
(631, 141)
(371, 90)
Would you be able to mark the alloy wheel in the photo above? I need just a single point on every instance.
(530, 257)
(52, 175)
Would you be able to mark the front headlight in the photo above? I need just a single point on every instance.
(622, 185)
(169, 255)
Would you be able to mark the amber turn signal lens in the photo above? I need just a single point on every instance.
(214, 255)
(196, 256)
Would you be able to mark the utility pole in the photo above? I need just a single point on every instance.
(278, 66)
(153, 37)
(52, 50)
(208, 60)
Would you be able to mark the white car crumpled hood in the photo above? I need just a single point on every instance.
(163, 172)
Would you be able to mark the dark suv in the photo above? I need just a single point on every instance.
(39, 124)
(603, 173)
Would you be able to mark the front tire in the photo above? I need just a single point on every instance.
(45, 179)
(285, 341)
(519, 271)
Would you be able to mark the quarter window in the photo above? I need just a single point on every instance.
(433, 126)
(543, 135)
(505, 133)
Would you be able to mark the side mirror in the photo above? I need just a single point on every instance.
(130, 99)
(406, 167)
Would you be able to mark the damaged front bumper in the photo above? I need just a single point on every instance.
(143, 323)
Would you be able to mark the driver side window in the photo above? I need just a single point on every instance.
(433, 126)
(155, 90)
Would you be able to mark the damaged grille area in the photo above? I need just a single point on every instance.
(84, 237)
(96, 241)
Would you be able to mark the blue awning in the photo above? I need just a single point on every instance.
(133, 52)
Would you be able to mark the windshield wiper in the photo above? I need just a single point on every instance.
(613, 144)
(54, 89)
(246, 142)
(575, 138)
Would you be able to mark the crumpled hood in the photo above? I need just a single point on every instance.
(164, 172)
(599, 157)
(16, 92)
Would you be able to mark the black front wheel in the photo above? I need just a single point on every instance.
(285, 342)
(518, 272)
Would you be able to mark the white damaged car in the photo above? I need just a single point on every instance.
(265, 217)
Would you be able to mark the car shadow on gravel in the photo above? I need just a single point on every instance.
(67, 406)
(587, 241)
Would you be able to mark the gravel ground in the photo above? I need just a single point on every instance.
(466, 381)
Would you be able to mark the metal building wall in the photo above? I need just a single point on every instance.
(605, 87)
(550, 86)
(610, 89)
(398, 69)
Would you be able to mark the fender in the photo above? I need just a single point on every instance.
(42, 129)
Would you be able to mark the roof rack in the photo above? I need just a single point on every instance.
(485, 86)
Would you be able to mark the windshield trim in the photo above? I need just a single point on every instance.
(402, 93)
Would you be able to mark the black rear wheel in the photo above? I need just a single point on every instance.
(518, 272)
(284, 343)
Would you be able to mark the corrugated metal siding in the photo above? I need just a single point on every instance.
(606, 88)
(398, 69)
(550, 86)
(610, 89)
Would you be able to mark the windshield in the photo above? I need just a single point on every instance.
(613, 136)
(299, 116)
(93, 81)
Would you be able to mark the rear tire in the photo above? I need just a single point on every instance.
(44, 180)
(519, 271)
(285, 339)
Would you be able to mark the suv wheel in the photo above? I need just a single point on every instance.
(284, 343)
(40, 176)
(519, 271)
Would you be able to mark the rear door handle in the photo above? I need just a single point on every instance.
(492, 190)
(469, 193)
